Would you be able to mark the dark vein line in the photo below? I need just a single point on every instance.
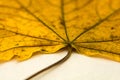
(81, 7)
(12, 7)
(29, 3)
(63, 19)
(96, 25)
(96, 10)
(13, 15)
(110, 4)
(54, 5)
(7, 36)
(16, 33)
(98, 50)
(99, 41)
(70, 1)
(74, 18)
(28, 11)
(52, 65)
(19, 16)
(5, 6)
(29, 46)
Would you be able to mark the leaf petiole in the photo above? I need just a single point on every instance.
(54, 64)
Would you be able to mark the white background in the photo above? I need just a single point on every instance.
(78, 67)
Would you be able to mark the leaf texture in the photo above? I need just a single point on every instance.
(92, 27)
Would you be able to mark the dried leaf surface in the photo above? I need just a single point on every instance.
(92, 27)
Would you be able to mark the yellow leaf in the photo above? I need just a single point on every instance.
(92, 27)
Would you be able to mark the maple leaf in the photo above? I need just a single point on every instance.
(92, 27)
(45, 26)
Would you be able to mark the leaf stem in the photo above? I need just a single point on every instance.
(54, 64)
